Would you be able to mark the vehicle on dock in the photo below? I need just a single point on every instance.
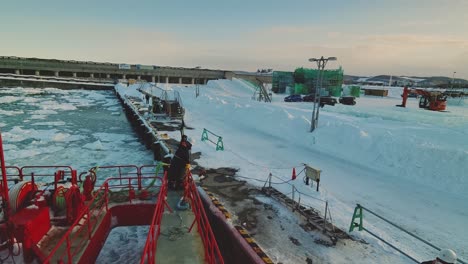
(433, 100)
(324, 100)
(347, 100)
(293, 98)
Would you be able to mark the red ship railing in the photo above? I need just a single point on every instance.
(13, 174)
(149, 252)
(117, 171)
(212, 252)
(80, 232)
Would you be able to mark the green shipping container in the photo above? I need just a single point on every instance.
(355, 91)
(335, 91)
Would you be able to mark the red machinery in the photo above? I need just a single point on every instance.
(26, 203)
(431, 100)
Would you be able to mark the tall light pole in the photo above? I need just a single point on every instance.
(453, 78)
(197, 87)
(321, 66)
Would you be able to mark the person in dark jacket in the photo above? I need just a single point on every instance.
(182, 129)
(446, 256)
(176, 173)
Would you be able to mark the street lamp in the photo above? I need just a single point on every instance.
(453, 78)
(321, 66)
(197, 87)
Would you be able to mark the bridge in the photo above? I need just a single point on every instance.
(45, 70)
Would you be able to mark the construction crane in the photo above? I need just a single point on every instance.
(431, 100)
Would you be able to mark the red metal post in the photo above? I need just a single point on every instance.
(106, 190)
(4, 181)
(74, 179)
(69, 250)
(168, 207)
(32, 178)
(139, 178)
(191, 226)
(56, 179)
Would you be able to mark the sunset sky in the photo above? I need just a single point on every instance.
(412, 37)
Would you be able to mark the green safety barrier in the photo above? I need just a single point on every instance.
(357, 223)
(357, 215)
(219, 144)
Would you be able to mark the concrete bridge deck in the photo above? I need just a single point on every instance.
(113, 71)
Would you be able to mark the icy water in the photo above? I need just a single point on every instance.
(67, 127)
(124, 245)
(78, 128)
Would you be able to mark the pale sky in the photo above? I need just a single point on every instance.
(397, 37)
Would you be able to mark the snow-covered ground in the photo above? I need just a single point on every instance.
(407, 164)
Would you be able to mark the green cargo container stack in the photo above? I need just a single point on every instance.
(304, 81)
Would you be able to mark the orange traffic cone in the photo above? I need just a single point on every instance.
(293, 174)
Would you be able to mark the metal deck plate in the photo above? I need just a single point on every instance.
(176, 245)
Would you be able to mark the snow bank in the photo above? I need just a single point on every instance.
(393, 160)
(230, 89)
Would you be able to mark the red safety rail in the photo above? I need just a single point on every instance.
(80, 232)
(43, 171)
(149, 252)
(150, 170)
(212, 253)
(13, 173)
(119, 171)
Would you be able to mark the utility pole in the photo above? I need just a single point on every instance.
(318, 87)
